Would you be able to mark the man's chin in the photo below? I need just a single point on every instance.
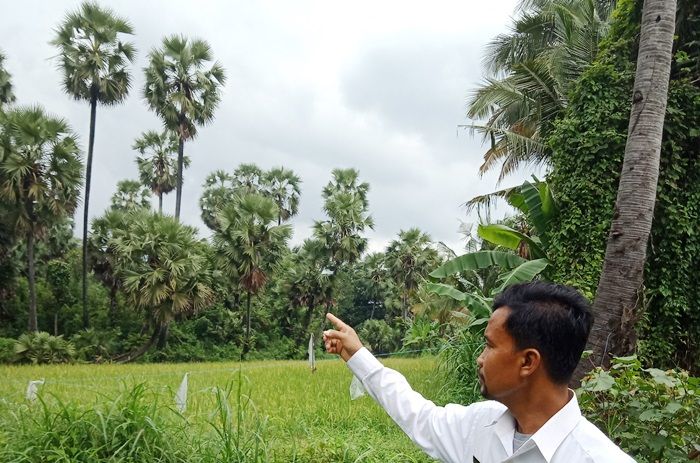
(483, 389)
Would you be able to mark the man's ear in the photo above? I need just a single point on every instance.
(530, 362)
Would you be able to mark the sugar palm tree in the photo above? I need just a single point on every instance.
(94, 62)
(409, 259)
(6, 94)
(346, 204)
(131, 195)
(283, 186)
(102, 255)
(157, 164)
(164, 270)
(250, 244)
(529, 73)
(183, 90)
(40, 178)
(248, 178)
(219, 190)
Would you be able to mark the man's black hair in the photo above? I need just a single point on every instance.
(554, 319)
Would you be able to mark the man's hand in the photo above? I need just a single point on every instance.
(342, 340)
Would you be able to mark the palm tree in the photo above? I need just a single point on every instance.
(94, 62)
(248, 178)
(102, 255)
(219, 190)
(346, 205)
(250, 244)
(164, 270)
(131, 195)
(182, 92)
(283, 186)
(6, 94)
(529, 74)
(620, 285)
(40, 178)
(157, 165)
(409, 259)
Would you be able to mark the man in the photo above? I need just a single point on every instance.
(534, 339)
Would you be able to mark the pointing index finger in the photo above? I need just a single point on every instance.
(337, 322)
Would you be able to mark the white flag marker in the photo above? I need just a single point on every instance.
(312, 354)
(181, 396)
(33, 388)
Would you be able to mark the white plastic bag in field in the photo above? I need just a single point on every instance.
(33, 388)
(181, 396)
(357, 390)
(312, 354)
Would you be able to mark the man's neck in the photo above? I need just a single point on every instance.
(536, 405)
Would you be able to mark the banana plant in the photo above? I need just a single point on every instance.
(478, 299)
(535, 201)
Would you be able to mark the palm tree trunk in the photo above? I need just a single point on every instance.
(180, 166)
(620, 287)
(163, 335)
(86, 220)
(160, 203)
(136, 353)
(32, 323)
(246, 344)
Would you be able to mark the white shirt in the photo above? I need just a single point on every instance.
(482, 432)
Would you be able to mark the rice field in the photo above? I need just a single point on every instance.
(282, 409)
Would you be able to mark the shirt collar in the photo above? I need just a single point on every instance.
(549, 437)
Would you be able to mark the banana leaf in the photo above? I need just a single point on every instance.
(477, 260)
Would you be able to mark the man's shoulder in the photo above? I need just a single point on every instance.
(597, 445)
(485, 411)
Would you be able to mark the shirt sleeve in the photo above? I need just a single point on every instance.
(442, 432)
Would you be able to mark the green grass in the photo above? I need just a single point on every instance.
(256, 411)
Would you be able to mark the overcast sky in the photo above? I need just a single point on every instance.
(380, 86)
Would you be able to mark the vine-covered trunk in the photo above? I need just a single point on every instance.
(32, 324)
(86, 220)
(180, 166)
(620, 286)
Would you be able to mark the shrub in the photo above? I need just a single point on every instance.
(41, 347)
(95, 346)
(381, 337)
(7, 350)
(652, 414)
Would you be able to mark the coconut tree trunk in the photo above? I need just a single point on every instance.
(86, 220)
(619, 290)
(180, 166)
(31, 272)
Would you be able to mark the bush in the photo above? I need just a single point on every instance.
(652, 414)
(7, 350)
(40, 347)
(95, 346)
(380, 337)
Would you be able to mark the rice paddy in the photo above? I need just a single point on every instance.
(281, 408)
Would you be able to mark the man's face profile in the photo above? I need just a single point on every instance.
(499, 363)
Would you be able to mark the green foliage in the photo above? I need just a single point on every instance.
(457, 364)
(587, 149)
(652, 414)
(381, 338)
(40, 347)
(7, 350)
(130, 427)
